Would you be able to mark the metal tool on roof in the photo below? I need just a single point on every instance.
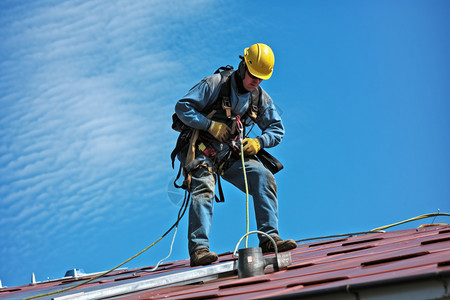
(251, 261)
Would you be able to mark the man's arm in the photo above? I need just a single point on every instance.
(189, 108)
(269, 121)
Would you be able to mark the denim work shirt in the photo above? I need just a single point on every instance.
(203, 94)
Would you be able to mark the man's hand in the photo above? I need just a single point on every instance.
(220, 131)
(251, 146)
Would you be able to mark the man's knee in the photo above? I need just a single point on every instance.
(264, 175)
(261, 180)
(202, 183)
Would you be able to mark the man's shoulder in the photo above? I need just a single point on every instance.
(265, 101)
(213, 80)
(264, 96)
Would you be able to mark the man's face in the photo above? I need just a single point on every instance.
(250, 82)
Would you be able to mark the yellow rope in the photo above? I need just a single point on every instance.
(96, 277)
(246, 240)
(412, 219)
(183, 208)
(375, 230)
(246, 192)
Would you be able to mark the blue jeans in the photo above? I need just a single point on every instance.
(261, 185)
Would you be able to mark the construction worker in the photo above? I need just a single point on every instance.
(216, 153)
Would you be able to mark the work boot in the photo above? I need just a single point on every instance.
(267, 246)
(202, 257)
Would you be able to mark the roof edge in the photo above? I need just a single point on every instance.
(352, 290)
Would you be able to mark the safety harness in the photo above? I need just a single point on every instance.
(202, 142)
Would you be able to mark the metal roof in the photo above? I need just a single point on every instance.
(403, 264)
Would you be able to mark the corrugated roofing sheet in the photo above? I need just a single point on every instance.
(345, 268)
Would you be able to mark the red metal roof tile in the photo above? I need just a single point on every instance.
(318, 268)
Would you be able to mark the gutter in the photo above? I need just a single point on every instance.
(433, 285)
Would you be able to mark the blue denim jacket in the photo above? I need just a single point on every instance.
(189, 109)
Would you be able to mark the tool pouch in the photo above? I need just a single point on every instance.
(270, 162)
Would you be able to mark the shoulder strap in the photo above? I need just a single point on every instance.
(222, 102)
(255, 98)
(222, 69)
(225, 91)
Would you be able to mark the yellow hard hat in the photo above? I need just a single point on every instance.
(259, 59)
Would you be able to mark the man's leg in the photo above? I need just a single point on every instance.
(200, 216)
(262, 187)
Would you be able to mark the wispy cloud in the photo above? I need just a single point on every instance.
(86, 104)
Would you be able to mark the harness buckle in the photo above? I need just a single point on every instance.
(226, 105)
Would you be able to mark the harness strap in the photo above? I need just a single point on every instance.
(225, 92)
(219, 185)
(181, 142)
(195, 164)
(176, 179)
(226, 105)
(190, 157)
(191, 151)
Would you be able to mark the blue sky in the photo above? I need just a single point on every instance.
(88, 90)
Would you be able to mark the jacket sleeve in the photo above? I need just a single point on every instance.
(189, 108)
(269, 121)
